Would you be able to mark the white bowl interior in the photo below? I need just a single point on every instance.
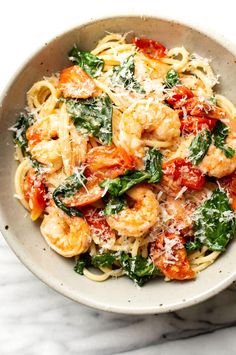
(24, 236)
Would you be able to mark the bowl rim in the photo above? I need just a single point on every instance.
(33, 267)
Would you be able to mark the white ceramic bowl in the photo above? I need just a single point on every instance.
(24, 237)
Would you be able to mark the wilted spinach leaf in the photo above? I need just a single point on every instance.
(138, 269)
(103, 260)
(84, 260)
(214, 221)
(118, 186)
(114, 205)
(193, 244)
(71, 185)
(219, 135)
(93, 115)
(151, 174)
(91, 64)
(199, 146)
(123, 75)
(23, 122)
(172, 78)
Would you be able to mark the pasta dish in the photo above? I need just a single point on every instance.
(128, 157)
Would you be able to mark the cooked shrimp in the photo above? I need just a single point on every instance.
(152, 119)
(68, 236)
(215, 163)
(135, 221)
(43, 143)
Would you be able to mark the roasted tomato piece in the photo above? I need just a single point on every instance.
(88, 194)
(194, 124)
(197, 107)
(75, 83)
(185, 173)
(99, 227)
(104, 157)
(229, 183)
(179, 96)
(150, 48)
(92, 191)
(35, 193)
(169, 255)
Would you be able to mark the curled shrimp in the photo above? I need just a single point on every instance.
(215, 163)
(68, 236)
(43, 144)
(145, 123)
(137, 220)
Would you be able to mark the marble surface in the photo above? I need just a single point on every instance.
(35, 319)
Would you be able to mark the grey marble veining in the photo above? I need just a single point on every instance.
(36, 320)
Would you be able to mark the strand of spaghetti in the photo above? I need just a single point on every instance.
(205, 259)
(111, 37)
(104, 276)
(206, 80)
(116, 118)
(92, 249)
(64, 136)
(156, 143)
(21, 171)
(144, 251)
(112, 96)
(109, 47)
(95, 277)
(177, 64)
(135, 247)
(40, 100)
(19, 155)
(226, 104)
(113, 273)
(197, 253)
(189, 80)
(110, 60)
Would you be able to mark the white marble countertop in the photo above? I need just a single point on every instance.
(34, 319)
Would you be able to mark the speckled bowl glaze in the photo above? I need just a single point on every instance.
(24, 237)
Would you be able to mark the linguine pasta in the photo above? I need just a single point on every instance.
(128, 156)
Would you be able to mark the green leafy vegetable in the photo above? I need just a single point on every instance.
(87, 61)
(199, 146)
(138, 269)
(118, 186)
(193, 244)
(214, 221)
(123, 75)
(213, 99)
(72, 184)
(219, 135)
(93, 115)
(153, 159)
(84, 260)
(23, 122)
(151, 174)
(172, 78)
(114, 205)
(104, 260)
